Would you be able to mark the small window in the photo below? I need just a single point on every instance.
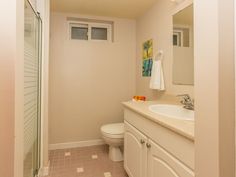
(181, 37)
(79, 32)
(177, 38)
(99, 33)
(90, 31)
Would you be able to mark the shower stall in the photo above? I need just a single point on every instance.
(32, 89)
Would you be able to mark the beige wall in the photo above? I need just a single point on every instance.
(226, 88)
(88, 80)
(156, 24)
(7, 95)
(11, 79)
(214, 88)
(206, 87)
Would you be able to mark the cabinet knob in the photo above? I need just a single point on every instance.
(148, 145)
(142, 141)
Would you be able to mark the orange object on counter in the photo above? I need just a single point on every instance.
(139, 98)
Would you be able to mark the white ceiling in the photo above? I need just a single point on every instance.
(112, 8)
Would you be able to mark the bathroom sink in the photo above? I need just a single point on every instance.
(172, 111)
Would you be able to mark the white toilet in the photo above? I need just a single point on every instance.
(113, 135)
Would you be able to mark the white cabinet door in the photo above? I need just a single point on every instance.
(135, 152)
(163, 164)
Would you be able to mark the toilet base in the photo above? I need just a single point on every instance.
(115, 154)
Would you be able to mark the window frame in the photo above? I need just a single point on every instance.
(73, 25)
(90, 25)
(179, 28)
(179, 34)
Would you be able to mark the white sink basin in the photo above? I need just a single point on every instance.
(172, 111)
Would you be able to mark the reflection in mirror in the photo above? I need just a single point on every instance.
(183, 57)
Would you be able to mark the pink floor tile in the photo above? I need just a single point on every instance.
(81, 163)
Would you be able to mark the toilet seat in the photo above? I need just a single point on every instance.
(113, 130)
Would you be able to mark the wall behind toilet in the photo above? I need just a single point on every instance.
(88, 80)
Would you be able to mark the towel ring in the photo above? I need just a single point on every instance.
(159, 55)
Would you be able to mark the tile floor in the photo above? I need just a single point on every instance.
(84, 162)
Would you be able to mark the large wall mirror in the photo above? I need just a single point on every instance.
(183, 57)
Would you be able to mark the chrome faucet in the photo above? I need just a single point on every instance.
(187, 101)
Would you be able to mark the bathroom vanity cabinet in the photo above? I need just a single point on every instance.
(152, 150)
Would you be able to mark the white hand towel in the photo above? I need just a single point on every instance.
(157, 77)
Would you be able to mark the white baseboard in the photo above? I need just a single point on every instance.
(76, 144)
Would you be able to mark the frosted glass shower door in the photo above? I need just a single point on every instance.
(32, 84)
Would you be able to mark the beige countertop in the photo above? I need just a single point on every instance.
(182, 127)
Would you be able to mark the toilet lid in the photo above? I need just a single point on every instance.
(113, 129)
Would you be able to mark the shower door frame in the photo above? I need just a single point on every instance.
(39, 95)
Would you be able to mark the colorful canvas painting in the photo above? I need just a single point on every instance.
(147, 58)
